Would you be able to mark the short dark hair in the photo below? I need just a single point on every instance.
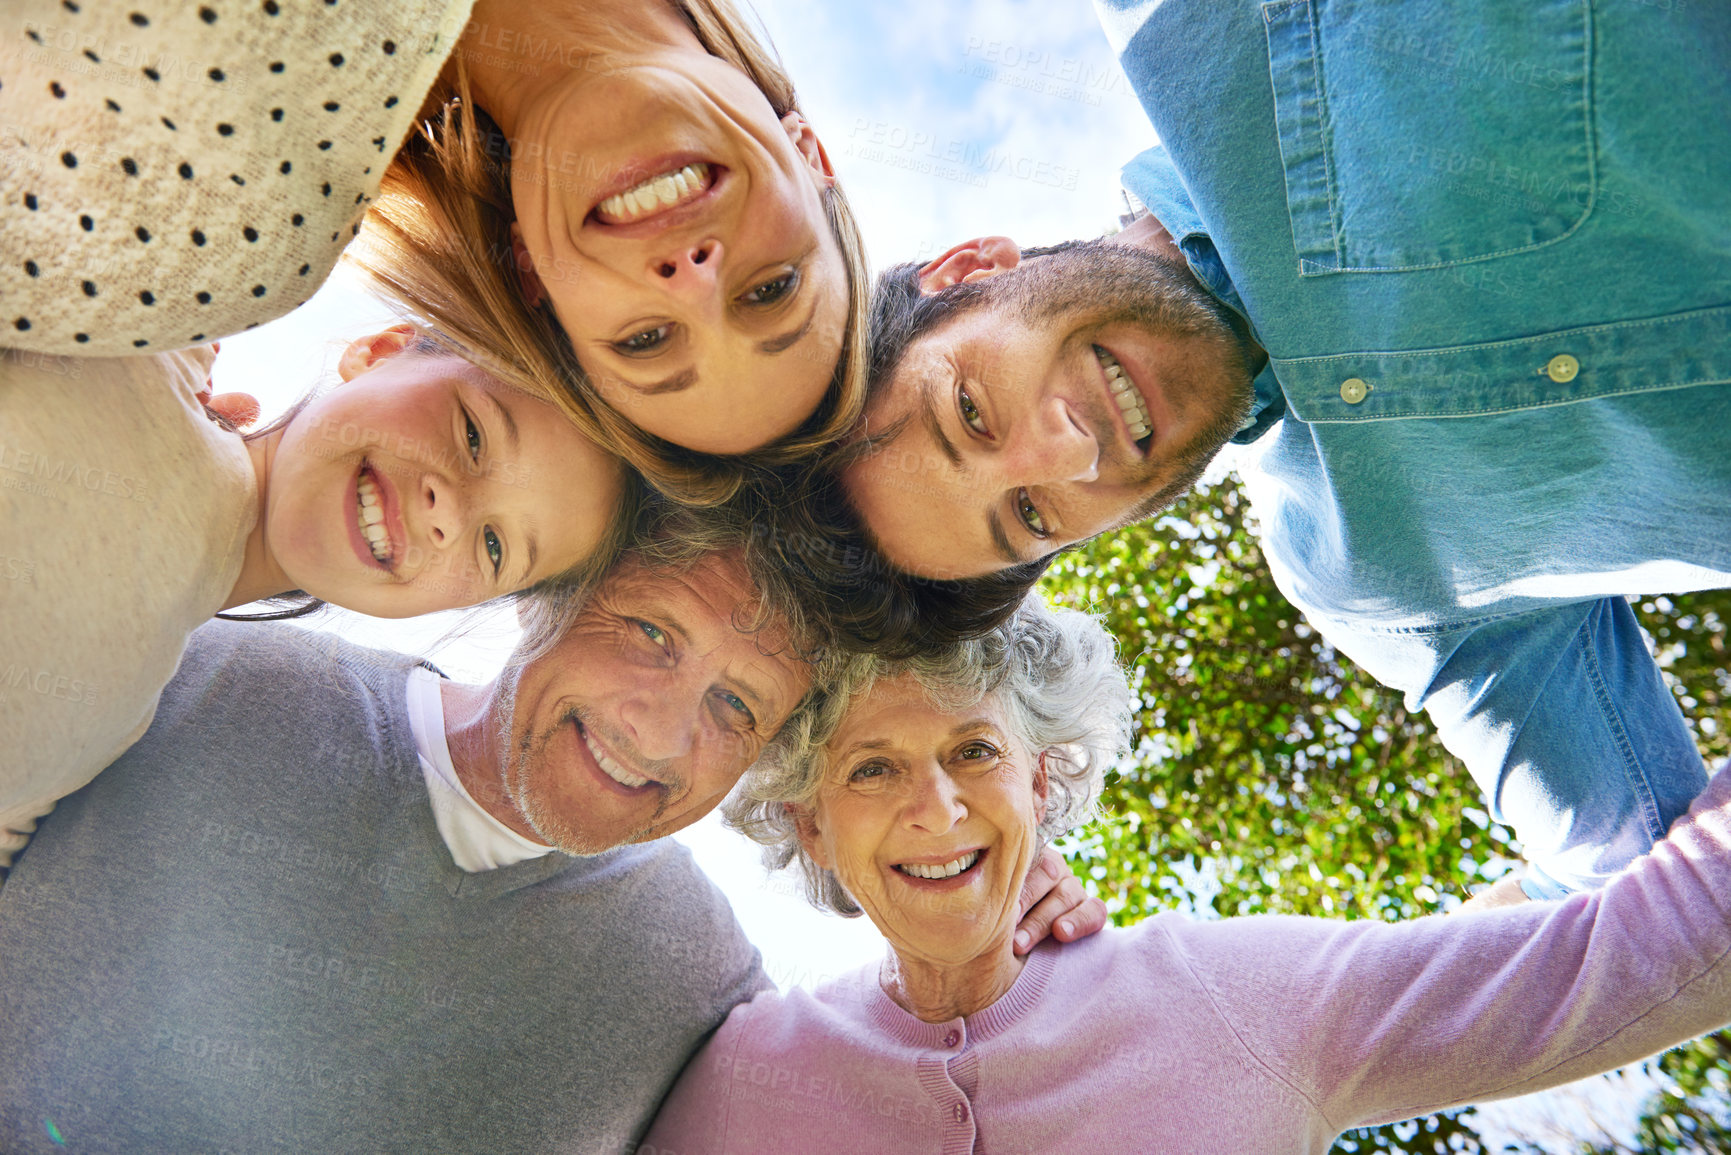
(901, 314)
(815, 543)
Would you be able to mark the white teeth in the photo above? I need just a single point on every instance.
(656, 193)
(370, 516)
(611, 768)
(947, 870)
(1124, 393)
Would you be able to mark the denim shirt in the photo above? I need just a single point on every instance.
(1487, 247)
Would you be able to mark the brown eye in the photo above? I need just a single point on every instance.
(1030, 514)
(772, 290)
(970, 412)
(645, 341)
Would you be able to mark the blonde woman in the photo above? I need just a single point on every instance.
(614, 203)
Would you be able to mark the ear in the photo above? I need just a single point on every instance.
(810, 835)
(365, 352)
(970, 261)
(810, 148)
(528, 280)
(1042, 786)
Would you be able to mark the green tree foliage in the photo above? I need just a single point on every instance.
(1272, 775)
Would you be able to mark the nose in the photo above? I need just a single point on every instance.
(441, 509)
(690, 272)
(936, 804)
(1052, 444)
(660, 721)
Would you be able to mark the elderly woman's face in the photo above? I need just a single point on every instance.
(677, 226)
(928, 819)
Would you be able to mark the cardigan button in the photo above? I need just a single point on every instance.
(960, 1111)
(952, 1039)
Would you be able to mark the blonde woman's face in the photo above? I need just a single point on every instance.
(677, 227)
(928, 819)
(422, 483)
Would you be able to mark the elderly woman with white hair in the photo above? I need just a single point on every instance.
(923, 797)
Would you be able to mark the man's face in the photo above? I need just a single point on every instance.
(1087, 389)
(644, 714)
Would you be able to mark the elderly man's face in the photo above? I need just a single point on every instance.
(645, 713)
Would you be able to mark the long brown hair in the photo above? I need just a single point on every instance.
(438, 240)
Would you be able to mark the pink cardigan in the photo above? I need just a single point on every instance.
(1242, 1036)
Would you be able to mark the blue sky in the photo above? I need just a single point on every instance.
(945, 119)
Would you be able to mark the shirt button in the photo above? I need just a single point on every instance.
(1562, 368)
(952, 1039)
(1353, 390)
(960, 1111)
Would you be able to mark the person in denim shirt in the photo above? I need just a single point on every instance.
(1462, 274)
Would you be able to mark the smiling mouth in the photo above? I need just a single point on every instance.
(370, 516)
(941, 870)
(610, 766)
(656, 195)
(1124, 394)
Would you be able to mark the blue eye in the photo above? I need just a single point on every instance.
(653, 632)
(737, 704)
(474, 439)
(495, 550)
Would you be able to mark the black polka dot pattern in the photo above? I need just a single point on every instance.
(135, 204)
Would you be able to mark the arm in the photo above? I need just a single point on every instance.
(1380, 1021)
(1563, 719)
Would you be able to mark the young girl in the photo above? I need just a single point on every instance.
(128, 516)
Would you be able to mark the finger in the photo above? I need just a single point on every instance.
(1056, 907)
(240, 408)
(1048, 868)
(1086, 919)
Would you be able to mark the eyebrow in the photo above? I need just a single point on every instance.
(1001, 539)
(674, 384)
(534, 555)
(791, 338)
(935, 426)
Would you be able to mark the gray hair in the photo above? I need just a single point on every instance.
(671, 538)
(1055, 673)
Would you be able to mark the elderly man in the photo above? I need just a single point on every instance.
(1462, 270)
(320, 905)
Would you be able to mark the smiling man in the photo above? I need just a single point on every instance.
(333, 901)
(1467, 292)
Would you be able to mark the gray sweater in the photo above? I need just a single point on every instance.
(247, 935)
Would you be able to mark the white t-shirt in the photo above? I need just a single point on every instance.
(124, 514)
(477, 841)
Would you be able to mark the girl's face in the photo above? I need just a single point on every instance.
(677, 226)
(422, 484)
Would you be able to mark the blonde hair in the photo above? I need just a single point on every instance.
(438, 240)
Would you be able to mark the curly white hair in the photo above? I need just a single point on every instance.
(1054, 671)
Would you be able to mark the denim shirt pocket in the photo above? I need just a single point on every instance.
(1432, 133)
